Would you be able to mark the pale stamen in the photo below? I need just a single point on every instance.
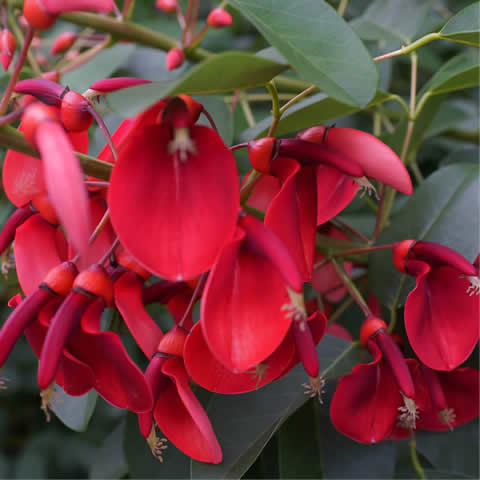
(366, 187)
(315, 388)
(474, 287)
(408, 413)
(47, 397)
(447, 416)
(182, 143)
(157, 445)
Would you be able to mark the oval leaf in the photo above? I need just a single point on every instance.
(219, 73)
(464, 26)
(318, 43)
(445, 210)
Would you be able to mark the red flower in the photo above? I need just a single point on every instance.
(441, 300)
(370, 400)
(174, 192)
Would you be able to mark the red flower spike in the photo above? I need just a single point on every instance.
(219, 18)
(212, 375)
(454, 398)
(108, 85)
(46, 91)
(261, 153)
(182, 419)
(42, 204)
(63, 175)
(366, 401)
(241, 310)
(128, 300)
(75, 113)
(38, 248)
(263, 242)
(17, 218)
(169, 6)
(175, 58)
(117, 379)
(63, 42)
(376, 159)
(168, 181)
(7, 47)
(58, 281)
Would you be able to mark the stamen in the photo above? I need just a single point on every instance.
(408, 413)
(47, 397)
(2, 383)
(474, 287)
(157, 445)
(258, 372)
(315, 388)
(448, 416)
(6, 263)
(366, 187)
(182, 143)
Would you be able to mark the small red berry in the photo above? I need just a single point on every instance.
(168, 6)
(175, 58)
(219, 18)
(74, 112)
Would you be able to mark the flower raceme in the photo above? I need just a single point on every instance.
(443, 296)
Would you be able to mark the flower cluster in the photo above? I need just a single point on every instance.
(172, 225)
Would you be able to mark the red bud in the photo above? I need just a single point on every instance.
(37, 15)
(7, 47)
(175, 58)
(219, 18)
(261, 153)
(74, 112)
(63, 42)
(168, 6)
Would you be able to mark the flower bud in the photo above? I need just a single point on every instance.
(7, 47)
(168, 6)
(219, 18)
(175, 58)
(63, 42)
(75, 113)
(37, 15)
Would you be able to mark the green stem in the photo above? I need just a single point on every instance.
(12, 138)
(342, 7)
(276, 113)
(247, 111)
(356, 251)
(297, 98)
(410, 48)
(16, 72)
(416, 171)
(351, 288)
(347, 351)
(414, 457)
(339, 310)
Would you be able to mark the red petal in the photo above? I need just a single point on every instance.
(182, 419)
(174, 216)
(64, 181)
(263, 192)
(38, 248)
(376, 159)
(209, 373)
(117, 379)
(128, 300)
(241, 310)
(364, 406)
(120, 134)
(338, 331)
(335, 191)
(432, 312)
(461, 388)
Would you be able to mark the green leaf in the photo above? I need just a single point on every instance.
(314, 110)
(101, 66)
(298, 444)
(221, 114)
(74, 412)
(220, 73)
(464, 27)
(462, 71)
(445, 210)
(318, 44)
(455, 451)
(392, 20)
(244, 423)
(109, 460)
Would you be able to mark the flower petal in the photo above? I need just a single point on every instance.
(172, 215)
(182, 419)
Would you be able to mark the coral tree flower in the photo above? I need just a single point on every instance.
(441, 301)
(173, 192)
(370, 400)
